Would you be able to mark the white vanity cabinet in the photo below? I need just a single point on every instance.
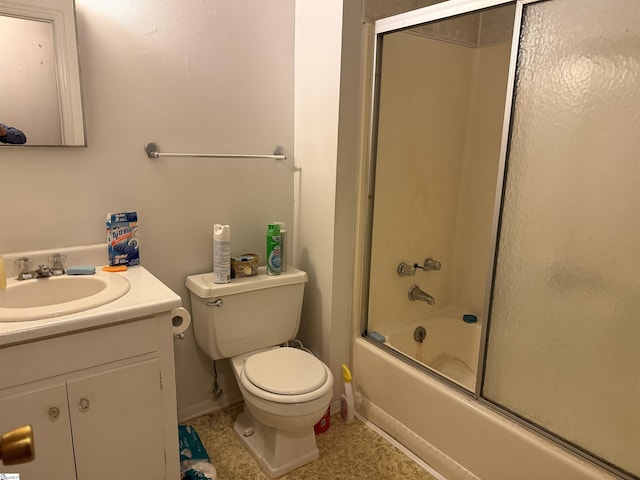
(101, 402)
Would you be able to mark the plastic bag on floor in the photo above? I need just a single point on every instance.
(199, 470)
(194, 460)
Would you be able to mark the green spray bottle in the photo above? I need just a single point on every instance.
(274, 249)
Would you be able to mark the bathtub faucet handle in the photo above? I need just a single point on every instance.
(406, 270)
(429, 264)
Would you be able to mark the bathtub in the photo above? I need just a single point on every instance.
(451, 346)
(459, 436)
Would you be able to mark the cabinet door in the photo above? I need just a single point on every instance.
(117, 423)
(45, 409)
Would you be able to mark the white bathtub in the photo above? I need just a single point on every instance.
(451, 346)
(454, 433)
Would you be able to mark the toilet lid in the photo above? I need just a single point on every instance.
(285, 371)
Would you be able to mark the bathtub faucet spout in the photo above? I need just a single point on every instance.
(416, 294)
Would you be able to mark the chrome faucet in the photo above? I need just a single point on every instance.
(416, 294)
(25, 273)
(43, 271)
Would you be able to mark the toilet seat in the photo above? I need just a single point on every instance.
(285, 375)
(285, 371)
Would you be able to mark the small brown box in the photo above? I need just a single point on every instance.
(246, 265)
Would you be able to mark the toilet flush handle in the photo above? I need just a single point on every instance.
(216, 303)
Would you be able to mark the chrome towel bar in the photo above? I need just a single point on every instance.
(152, 150)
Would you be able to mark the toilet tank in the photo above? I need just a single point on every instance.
(247, 314)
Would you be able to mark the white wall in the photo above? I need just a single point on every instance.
(326, 127)
(195, 77)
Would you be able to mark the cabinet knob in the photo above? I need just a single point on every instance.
(84, 404)
(54, 412)
(16, 446)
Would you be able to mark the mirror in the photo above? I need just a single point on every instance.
(40, 77)
(440, 100)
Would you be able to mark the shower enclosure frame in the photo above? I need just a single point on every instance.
(441, 11)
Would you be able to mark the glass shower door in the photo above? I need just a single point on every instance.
(562, 346)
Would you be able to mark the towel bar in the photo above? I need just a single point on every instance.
(152, 150)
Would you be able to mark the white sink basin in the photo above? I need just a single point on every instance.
(55, 296)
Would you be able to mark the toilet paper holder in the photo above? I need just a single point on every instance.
(180, 321)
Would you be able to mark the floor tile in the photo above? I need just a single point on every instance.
(347, 452)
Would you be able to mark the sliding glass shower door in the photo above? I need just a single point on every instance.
(563, 342)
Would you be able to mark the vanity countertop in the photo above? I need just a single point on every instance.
(147, 296)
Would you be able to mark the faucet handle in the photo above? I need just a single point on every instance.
(429, 264)
(57, 263)
(23, 264)
(406, 270)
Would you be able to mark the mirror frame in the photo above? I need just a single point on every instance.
(62, 17)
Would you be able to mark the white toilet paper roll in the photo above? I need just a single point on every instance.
(180, 321)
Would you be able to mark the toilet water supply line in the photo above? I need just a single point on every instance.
(217, 391)
(295, 343)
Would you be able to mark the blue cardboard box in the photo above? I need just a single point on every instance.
(122, 238)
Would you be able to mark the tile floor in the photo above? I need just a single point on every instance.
(347, 452)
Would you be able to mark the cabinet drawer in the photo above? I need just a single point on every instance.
(76, 351)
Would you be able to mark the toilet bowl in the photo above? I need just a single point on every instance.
(286, 388)
(286, 391)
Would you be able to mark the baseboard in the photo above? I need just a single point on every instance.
(207, 406)
(335, 407)
(210, 406)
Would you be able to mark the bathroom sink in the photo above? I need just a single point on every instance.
(40, 298)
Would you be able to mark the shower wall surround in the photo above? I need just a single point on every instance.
(441, 106)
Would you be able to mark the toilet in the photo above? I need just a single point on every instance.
(286, 390)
